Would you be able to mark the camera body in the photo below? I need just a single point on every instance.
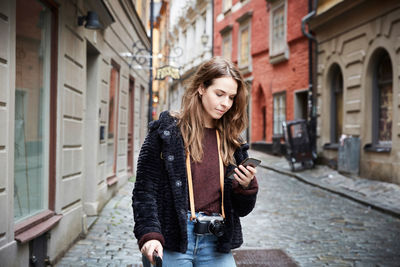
(209, 225)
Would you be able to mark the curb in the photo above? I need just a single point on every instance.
(344, 193)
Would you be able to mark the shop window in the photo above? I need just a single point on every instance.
(112, 137)
(33, 135)
(279, 112)
(383, 101)
(336, 101)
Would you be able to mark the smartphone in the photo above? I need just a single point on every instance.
(249, 161)
(157, 259)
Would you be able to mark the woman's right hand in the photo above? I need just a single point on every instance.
(149, 247)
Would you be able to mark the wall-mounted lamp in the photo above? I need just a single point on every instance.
(155, 98)
(92, 21)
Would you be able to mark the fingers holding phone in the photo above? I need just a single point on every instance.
(151, 249)
(244, 175)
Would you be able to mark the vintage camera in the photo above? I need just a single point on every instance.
(209, 224)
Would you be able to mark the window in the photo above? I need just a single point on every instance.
(279, 112)
(278, 47)
(227, 46)
(244, 41)
(112, 139)
(336, 123)
(34, 81)
(383, 101)
(244, 46)
(226, 35)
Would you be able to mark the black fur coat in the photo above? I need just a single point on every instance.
(160, 195)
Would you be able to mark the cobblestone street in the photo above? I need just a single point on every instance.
(110, 241)
(317, 228)
(313, 226)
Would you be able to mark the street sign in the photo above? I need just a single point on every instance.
(167, 70)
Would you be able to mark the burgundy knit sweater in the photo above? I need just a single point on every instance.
(206, 184)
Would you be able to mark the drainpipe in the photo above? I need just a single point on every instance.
(312, 116)
(150, 110)
(212, 29)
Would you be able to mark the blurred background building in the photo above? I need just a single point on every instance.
(264, 38)
(191, 27)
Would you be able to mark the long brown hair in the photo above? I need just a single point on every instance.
(230, 125)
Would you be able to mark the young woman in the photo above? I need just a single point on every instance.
(185, 207)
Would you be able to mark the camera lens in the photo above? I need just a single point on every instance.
(216, 228)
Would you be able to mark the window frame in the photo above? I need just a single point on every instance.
(246, 24)
(33, 226)
(282, 54)
(227, 36)
(112, 179)
(375, 145)
(274, 96)
(376, 102)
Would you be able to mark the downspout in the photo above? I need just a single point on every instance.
(212, 29)
(312, 116)
(150, 109)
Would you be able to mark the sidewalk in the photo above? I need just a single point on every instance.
(379, 195)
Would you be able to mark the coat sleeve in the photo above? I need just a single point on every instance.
(144, 196)
(243, 201)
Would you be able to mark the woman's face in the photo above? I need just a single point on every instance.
(218, 98)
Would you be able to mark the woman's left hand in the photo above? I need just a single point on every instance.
(244, 175)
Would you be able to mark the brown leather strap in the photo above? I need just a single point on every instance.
(190, 185)
(221, 174)
(190, 181)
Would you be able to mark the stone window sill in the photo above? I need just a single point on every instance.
(227, 11)
(112, 180)
(245, 69)
(275, 58)
(377, 148)
(331, 146)
(35, 226)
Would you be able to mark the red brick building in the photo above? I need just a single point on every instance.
(264, 38)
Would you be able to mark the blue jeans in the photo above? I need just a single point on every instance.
(201, 251)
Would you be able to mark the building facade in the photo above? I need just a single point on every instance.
(191, 28)
(358, 83)
(72, 116)
(264, 38)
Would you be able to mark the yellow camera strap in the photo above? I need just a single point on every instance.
(190, 181)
